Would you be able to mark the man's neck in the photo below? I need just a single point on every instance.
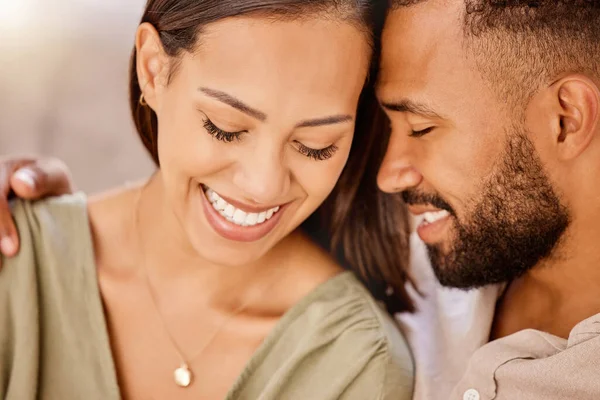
(558, 293)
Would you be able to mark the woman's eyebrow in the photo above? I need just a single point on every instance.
(261, 116)
(334, 119)
(235, 103)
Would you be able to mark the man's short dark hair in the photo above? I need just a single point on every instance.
(521, 45)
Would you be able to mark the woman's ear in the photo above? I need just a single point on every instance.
(152, 64)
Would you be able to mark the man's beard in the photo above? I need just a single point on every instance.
(517, 222)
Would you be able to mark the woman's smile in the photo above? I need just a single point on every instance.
(237, 221)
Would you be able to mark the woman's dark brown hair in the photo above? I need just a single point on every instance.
(368, 228)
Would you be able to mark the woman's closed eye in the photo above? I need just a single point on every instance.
(316, 154)
(220, 134)
(422, 132)
(228, 137)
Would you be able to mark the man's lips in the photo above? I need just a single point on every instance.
(433, 222)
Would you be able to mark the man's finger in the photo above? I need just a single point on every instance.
(7, 168)
(30, 179)
(41, 179)
(9, 240)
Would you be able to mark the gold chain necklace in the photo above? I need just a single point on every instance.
(183, 375)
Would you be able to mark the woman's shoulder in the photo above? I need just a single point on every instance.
(59, 205)
(338, 337)
(51, 231)
(49, 300)
(56, 221)
(356, 319)
(373, 339)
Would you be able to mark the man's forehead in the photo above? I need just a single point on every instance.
(417, 43)
(394, 4)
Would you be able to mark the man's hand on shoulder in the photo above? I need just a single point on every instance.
(28, 178)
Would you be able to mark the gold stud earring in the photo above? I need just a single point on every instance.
(142, 100)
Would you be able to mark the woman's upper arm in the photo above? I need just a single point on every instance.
(385, 377)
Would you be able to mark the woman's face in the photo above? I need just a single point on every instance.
(255, 128)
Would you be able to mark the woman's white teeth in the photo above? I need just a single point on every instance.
(431, 217)
(252, 219)
(235, 215)
(229, 211)
(239, 217)
(262, 217)
(212, 196)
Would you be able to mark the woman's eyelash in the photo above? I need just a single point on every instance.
(228, 137)
(220, 134)
(318, 155)
(418, 134)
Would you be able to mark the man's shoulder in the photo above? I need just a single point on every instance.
(532, 364)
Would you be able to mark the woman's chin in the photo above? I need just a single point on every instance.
(227, 255)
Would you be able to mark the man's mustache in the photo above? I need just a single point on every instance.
(414, 197)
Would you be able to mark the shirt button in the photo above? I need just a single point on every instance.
(471, 394)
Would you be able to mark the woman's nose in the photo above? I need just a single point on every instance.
(263, 178)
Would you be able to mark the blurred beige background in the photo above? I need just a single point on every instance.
(63, 86)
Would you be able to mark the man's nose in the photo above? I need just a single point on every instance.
(397, 172)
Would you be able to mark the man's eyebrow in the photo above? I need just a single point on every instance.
(412, 107)
(235, 103)
(334, 119)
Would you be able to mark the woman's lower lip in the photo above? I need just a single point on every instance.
(231, 231)
(432, 233)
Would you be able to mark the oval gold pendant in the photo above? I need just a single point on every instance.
(183, 376)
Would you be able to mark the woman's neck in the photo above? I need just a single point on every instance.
(137, 233)
(170, 259)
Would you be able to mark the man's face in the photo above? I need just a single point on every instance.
(463, 161)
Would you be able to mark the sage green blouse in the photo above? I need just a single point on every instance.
(336, 343)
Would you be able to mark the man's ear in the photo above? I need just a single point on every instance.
(152, 63)
(575, 102)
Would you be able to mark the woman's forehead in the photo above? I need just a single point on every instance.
(273, 64)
